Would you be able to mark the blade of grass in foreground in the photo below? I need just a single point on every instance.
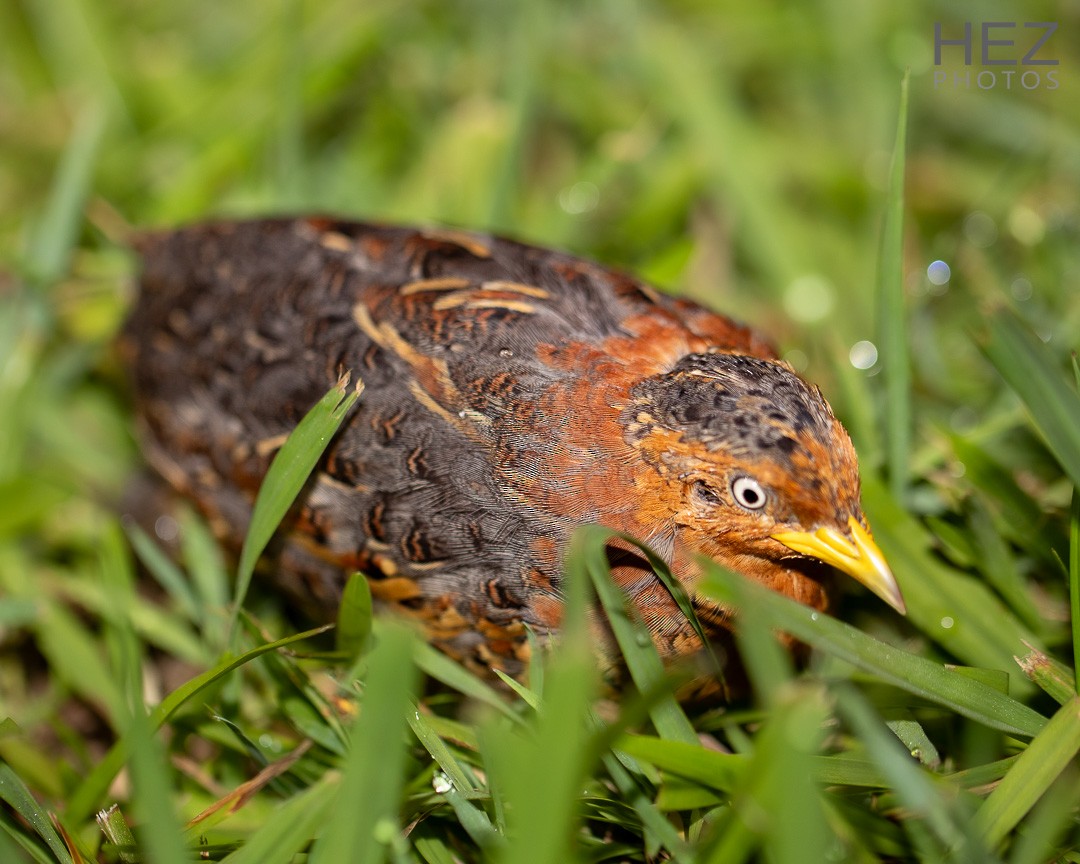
(1052, 676)
(159, 830)
(15, 793)
(287, 475)
(89, 792)
(543, 771)
(910, 672)
(365, 817)
(1074, 559)
(954, 609)
(1025, 364)
(588, 552)
(777, 803)
(354, 617)
(892, 317)
(1038, 767)
(56, 233)
(1074, 581)
(912, 785)
(280, 839)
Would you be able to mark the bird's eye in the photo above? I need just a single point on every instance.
(705, 493)
(748, 493)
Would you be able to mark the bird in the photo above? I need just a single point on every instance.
(512, 393)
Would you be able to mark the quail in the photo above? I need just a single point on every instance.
(512, 393)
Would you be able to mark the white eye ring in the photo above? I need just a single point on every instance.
(748, 493)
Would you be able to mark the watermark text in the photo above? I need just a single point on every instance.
(1000, 44)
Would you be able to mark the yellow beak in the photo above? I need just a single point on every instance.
(858, 556)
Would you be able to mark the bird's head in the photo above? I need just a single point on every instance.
(752, 468)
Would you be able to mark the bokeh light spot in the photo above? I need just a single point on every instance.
(938, 273)
(809, 298)
(863, 354)
(579, 198)
(980, 229)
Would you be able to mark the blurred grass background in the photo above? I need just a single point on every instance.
(738, 153)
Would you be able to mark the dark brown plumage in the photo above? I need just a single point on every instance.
(512, 393)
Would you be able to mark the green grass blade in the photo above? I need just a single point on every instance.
(721, 771)
(983, 631)
(364, 821)
(682, 599)
(778, 781)
(205, 562)
(1028, 368)
(768, 667)
(18, 797)
(913, 787)
(164, 571)
(588, 553)
(914, 738)
(1034, 772)
(287, 474)
(998, 566)
(438, 751)
(520, 690)
(159, 830)
(56, 233)
(440, 667)
(843, 770)
(25, 848)
(542, 771)
(279, 839)
(1074, 581)
(892, 316)
(1021, 519)
(797, 729)
(915, 674)
(658, 830)
(1045, 826)
(115, 827)
(90, 791)
(1074, 558)
(354, 618)
(1052, 676)
(171, 703)
(75, 655)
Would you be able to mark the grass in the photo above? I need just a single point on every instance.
(751, 159)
